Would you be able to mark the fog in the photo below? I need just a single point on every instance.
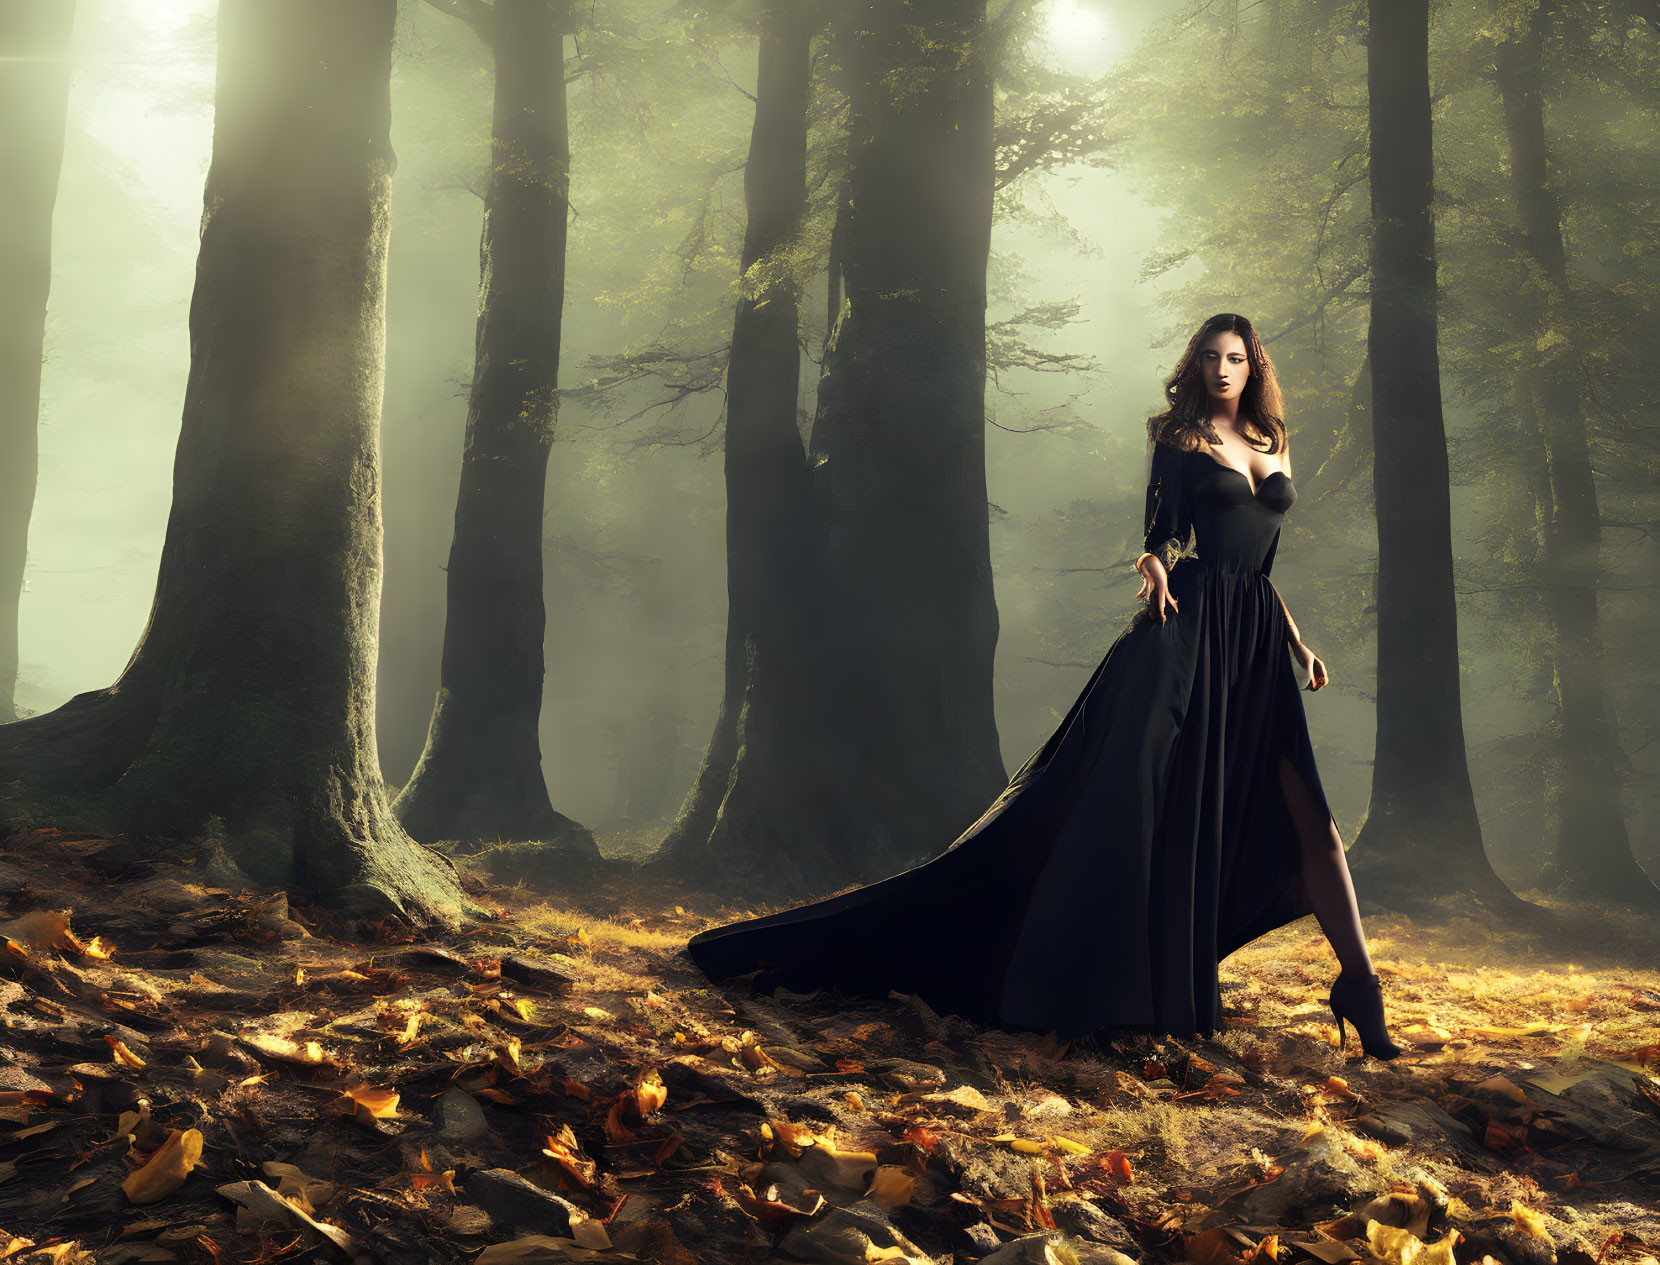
(634, 527)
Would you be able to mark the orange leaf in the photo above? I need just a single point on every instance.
(380, 1103)
(1118, 1166)
(98, 948)
(562, 1148)
(923, 1137)
(119, 1053)
(1209, 1247)
(1503, 1137)
(770, 1210)
(615, 1130)
(651, 1093)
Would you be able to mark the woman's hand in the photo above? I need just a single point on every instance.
(1155, 587)
(1312, 665)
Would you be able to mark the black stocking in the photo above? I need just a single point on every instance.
(1325, 874)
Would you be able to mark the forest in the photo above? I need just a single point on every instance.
(787, 365)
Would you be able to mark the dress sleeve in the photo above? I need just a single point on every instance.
(1168, 521)
(1268, 559)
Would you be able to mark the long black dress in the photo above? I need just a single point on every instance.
(1146, 840)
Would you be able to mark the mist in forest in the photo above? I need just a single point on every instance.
(1216, 161)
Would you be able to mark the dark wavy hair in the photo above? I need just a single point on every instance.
(1261, 417)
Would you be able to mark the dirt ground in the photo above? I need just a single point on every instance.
(194, 1073)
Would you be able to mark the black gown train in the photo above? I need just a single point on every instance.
(1146, 840)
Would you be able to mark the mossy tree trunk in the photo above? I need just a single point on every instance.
(479, 778)
(865, 738)
(1421, 837)
(769, 572)
(1591, 854)
(34, 102)
(250, 696)
(908, 618)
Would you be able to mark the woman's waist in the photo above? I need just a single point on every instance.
(1226, 564)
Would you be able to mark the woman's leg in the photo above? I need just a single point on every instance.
(1325, 874)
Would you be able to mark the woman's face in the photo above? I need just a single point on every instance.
(1223, 363)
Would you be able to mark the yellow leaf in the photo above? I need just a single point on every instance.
(890, 1186)
(1505, 1034)
(1425, 1036)
(1528, 1221)
(1395, 1246)
(167, 1168)
(1024, 1145)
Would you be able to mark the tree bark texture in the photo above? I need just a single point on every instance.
(34, 102)
(479, 778)
(250, 696)
(1421, 836)
(908, 618)
(769, 568)
(1591, 853)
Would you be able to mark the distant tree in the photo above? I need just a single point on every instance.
(250, 695)
(34, 101)
(480, 775)
(1591, 855)
(1421, 837)
(770, 571)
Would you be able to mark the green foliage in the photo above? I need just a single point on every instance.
(1262, 159)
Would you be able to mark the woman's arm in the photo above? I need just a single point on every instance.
(1169, 523)
(1292, 637)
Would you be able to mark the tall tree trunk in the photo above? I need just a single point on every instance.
(865, 740)
(480, 775)
(909, 620)
(1421, 836)
(768, 569)
(1592, 850)
(250, 696)
(34, 101)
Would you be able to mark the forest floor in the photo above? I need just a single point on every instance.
(194, 1074)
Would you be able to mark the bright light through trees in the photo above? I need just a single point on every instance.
(1081, 35)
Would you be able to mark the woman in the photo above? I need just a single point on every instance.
(1174, 815)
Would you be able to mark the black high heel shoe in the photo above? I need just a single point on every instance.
(1359, 1000)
